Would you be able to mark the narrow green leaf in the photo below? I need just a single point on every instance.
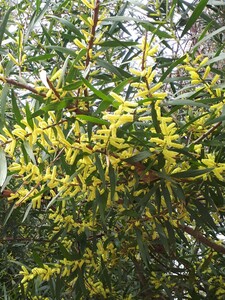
(209, 36)
(3, 167)
(4, 23)
(142, 248)
(171, 67)
(29, 115)
(186, 102)
(4, 95)
(29, 151)
(191, 173)
(92, 119)
(119, 14)
(156, 30)
(112, 178)
(138, 157)
(16, 110)
(29, 206)
(69, 25)
(117, 43)
(215, 59)
(155, 118)
(40, 57)
(215, 120)
(37, 259)
(63, 50)
(10, 211)
(36, 19)
(100, 169)
(98, 93)
(166, 196)
(196, 13)
(112, 69)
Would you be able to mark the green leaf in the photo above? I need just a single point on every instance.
(4, 95)
(16, 110)
(196, 13)
(29, 151)
(92, 119)
(3, 167)
(69, 25)
(40, 57)
(156, 30)
(100, 169)
(112, 69)
(191, 173)
(215, 120)
(29, 115)
(4, 23)
(34, 20)
(10, 211)
(65, 50)
(117, 43)
(73, 86)
(171, 67)
(98, 93)
(29, 206)
(142, 248)
(138, 157)
(209, 36)
(37, 259)
(186, 102)
(112, 178)
(166, 196)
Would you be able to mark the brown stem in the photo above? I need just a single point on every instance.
(93, 29)
(202, 137)
(21, 85)
(202, 239)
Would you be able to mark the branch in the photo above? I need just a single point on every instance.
(93, 29)
(21, 85)
(202, 137)
(202, 239)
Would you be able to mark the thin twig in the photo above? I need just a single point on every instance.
(22, 86)
(202, 239)
(204, 135)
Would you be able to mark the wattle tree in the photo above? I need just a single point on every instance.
(112, 144)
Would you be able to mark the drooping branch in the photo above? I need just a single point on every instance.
(21, 85)
(202, 239)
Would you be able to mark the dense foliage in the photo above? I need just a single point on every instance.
(112, 150)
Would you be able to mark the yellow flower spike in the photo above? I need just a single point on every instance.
(12, 58)
(195, 81)
(8, 133)
(135, 72)
(215, 79)
(56, 75)
(2, 138)
(207, 71)
(218, 92)
(197, 58)
(156, 87)
(194, 75)
(117, 97)
(91, 22)
(88, 4)
(79, 44)
(153, 51)
(142, 94)
(204, 61)
(189, 68)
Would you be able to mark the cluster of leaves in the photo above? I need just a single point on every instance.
(111, 152)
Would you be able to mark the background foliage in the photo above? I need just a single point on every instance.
(112, 150)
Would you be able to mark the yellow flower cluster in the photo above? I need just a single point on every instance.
(218, 168)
